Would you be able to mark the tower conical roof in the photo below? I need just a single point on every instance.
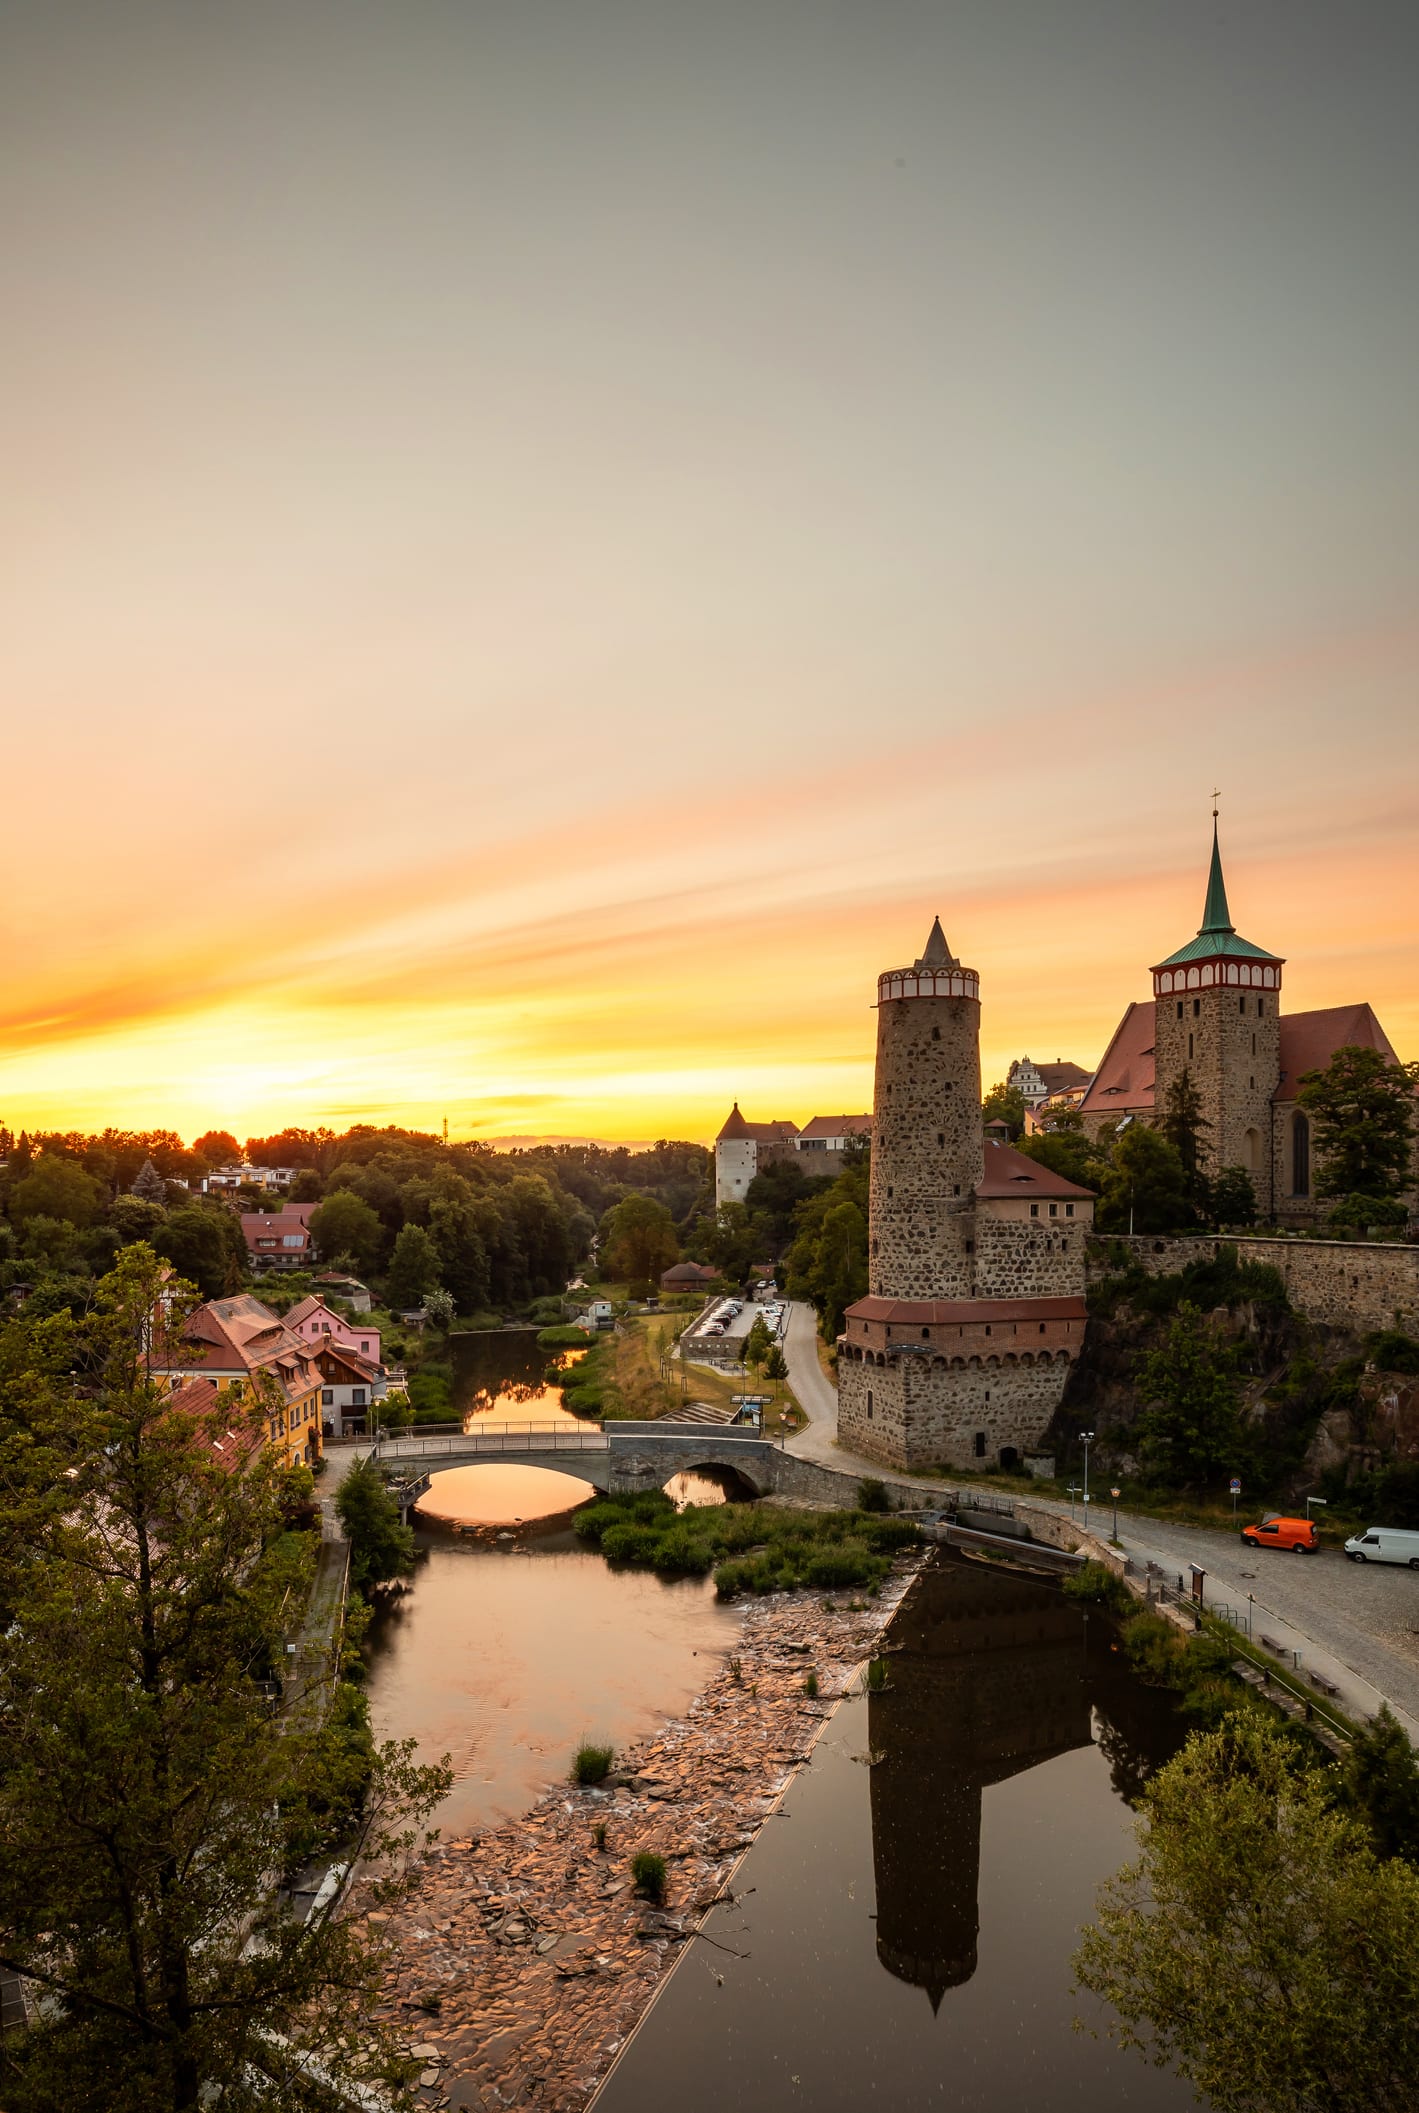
(1217, 934)
(734, 1124)
(936, 953)
(1216, 917)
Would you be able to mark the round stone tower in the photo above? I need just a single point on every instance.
(927, 1144)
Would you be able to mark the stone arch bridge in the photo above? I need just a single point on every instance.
(616, 1458)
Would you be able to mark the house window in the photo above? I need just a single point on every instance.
(357, 1397)
(1034, 1210)
(1300, 1155)
(1069, 1210)
(364, 1345)
(1054, 1210)
(327, 1397)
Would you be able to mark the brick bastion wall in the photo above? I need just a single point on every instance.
(1350, 1283)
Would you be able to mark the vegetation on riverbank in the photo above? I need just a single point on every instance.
(750, 1548)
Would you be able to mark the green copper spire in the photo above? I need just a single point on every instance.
(1216, 917)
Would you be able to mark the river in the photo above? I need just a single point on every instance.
(507, 1653)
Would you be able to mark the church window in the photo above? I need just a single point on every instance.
(1300, 1155)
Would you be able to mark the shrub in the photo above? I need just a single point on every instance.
(648, 1872)
(875, 1678)
(592, 1764)
(848, 1564)
(561, 1337)
(810, 1682)
(1153, 1646)
(630, 1543)
(872, 1495)
(1097, 1584)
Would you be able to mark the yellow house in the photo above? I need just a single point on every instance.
(235, 1341)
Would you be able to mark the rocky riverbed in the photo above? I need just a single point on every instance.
(525, 1958)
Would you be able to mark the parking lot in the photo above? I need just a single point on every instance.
(1367, 1614)
(723, 1329)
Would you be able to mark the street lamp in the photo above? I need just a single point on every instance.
(1115, 1495)
(1087, 1438)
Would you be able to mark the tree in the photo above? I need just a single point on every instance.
(381, 1546)
(757, 1343)
(1189, 1431)
(1145, 1189)
(1362, 1108)
(1258, 1944)
(775, 1364)
(346, 1226)
(439, 1306)
(218, 1147)
(133, 1219)
(1005, 1104)
(774, 1196)
(56, 1187)
(1186, 1129)
(307, 1187)
(1066, 1148)
(148, 1185)
(456, 1222)
(152, 1796)
(733, 1242)
(638, 1241)
(1233, 1198)
(204, 1244)
(1381, 1781)
(413, 1269)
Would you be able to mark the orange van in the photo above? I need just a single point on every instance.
(1297, 1534)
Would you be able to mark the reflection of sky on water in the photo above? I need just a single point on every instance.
(500, 1373)
(501, 1495)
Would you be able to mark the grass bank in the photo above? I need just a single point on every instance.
(750, 1548)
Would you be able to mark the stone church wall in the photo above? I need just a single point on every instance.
(1349, 1284)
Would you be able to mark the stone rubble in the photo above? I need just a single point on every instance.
(524, 1956)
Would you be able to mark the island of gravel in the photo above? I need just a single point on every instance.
(523, 1958)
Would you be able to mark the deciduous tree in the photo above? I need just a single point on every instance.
(345, 1226)
(1258, 1944)
(1146, 1188)
(1362, 1108)
(413, 1269)
(638, 1241)
(1189, 1430)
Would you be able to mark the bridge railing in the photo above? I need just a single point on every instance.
(497, 1438)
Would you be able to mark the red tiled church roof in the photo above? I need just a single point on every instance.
(1310, 1039)
(1123, 1083)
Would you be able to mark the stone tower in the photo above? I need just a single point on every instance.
(1217, 1016)
(927, 1142)
(975, 1253)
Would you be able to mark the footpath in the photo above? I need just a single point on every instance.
(1322, 1639)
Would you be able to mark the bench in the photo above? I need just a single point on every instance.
(1327, 1687)
(1277, 1650)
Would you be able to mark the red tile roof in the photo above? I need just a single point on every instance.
(231, 1447)
(966, 1311)
(1060, 1077)
(838, 1126)
(1123, 1083)
(735, 1126)
(1310, 1039)
(1012, 1173)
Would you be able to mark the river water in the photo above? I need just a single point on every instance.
(901, 1936)
(506, 1653)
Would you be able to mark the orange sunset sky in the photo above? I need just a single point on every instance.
(542, 544)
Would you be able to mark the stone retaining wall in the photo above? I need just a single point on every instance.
(1349, 1283)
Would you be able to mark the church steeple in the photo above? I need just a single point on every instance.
(936, 953)
(1216, 917)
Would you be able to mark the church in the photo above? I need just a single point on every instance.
(1216, 1013)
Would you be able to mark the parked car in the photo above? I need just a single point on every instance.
(1384, 1544)
(1299, 1535)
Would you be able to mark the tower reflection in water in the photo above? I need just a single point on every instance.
(991, 1675)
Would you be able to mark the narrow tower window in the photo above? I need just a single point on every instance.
(1197, 1008)
(1189, 1045)
(1300, 1155)
(1179, 1008)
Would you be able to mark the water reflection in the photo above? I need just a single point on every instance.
(707, 1485)
(499, 1495)
(502, 1374)
(947, 1839)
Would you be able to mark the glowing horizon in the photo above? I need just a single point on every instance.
(543, 545)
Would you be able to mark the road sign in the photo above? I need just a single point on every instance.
(1236, 1485)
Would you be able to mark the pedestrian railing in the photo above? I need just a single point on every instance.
(497, 1438)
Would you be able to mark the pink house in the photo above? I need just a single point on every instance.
(315, 1322)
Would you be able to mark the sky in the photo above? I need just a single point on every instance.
(541, 543)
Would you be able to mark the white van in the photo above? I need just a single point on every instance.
(1384, 1544)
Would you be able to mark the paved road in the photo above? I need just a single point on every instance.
(1358, 1624)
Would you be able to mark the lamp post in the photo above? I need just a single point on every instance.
(1115, 1495)
(1087, 1437)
